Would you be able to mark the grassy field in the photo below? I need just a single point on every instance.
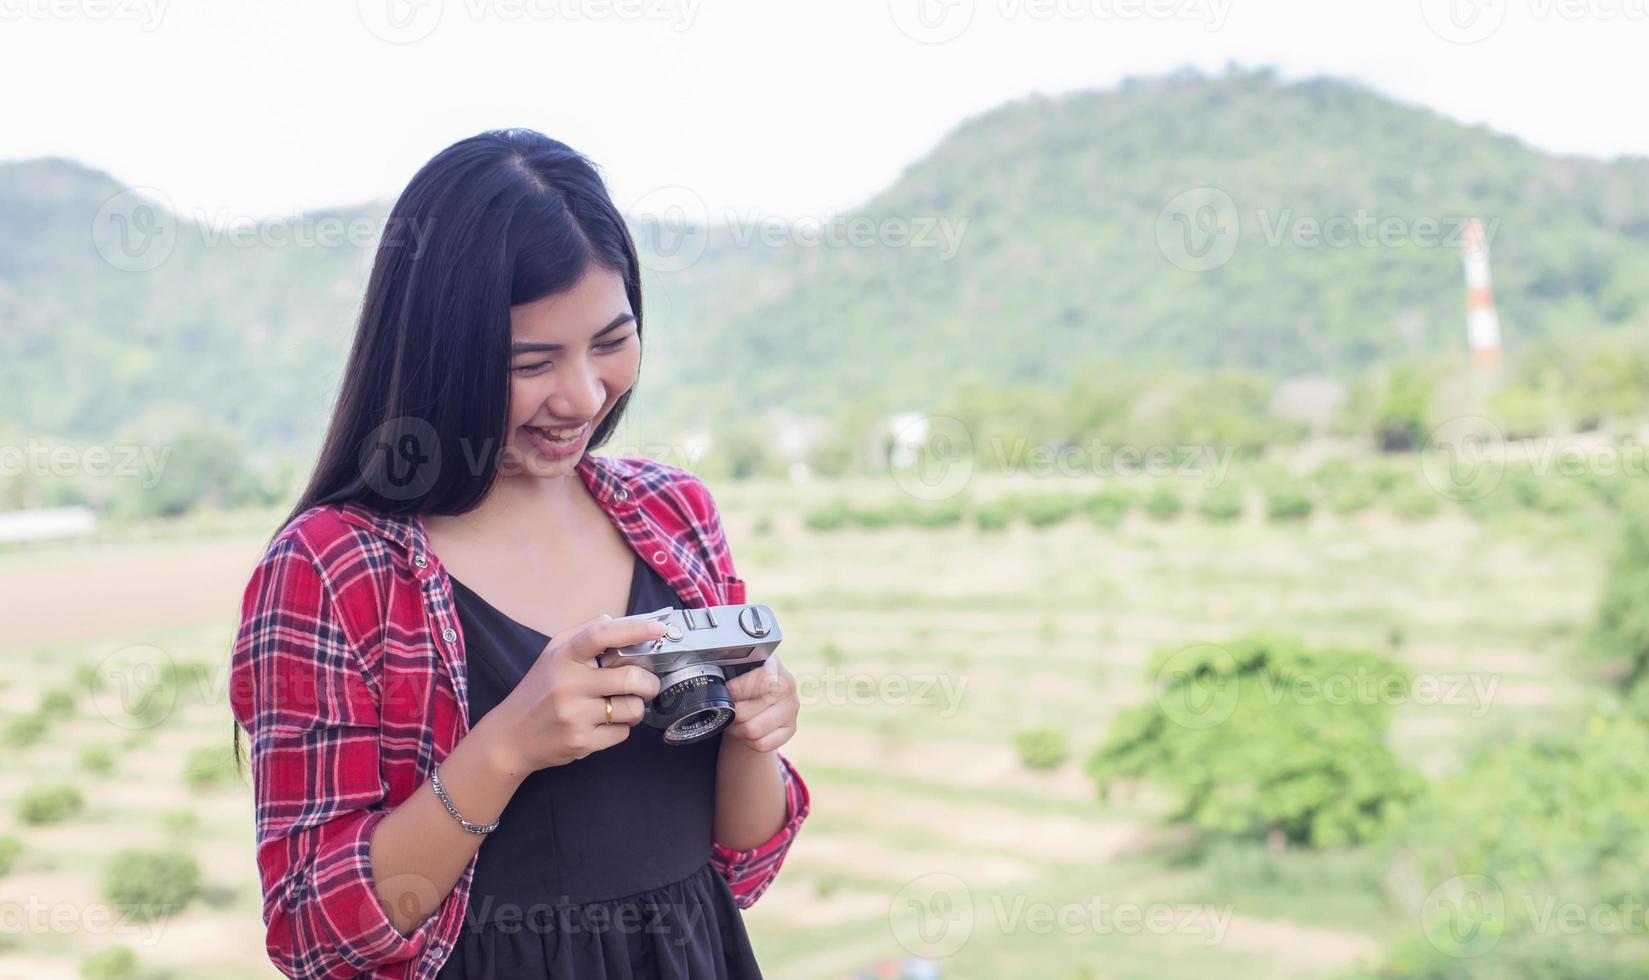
(921, 653)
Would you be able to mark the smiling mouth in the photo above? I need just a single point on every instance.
(558, 437)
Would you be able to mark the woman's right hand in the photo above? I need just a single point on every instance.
(558, 713)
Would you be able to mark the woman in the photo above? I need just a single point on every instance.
(446, 783)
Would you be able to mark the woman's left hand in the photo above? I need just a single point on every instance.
(765, 706)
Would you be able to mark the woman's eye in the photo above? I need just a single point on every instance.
(531, 368)
(615, 344)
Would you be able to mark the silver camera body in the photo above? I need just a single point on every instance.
(699, 651)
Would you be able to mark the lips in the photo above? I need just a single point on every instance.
(556, 442)
(558, 436)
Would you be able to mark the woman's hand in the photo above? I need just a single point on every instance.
(558, 713)
(765, 706)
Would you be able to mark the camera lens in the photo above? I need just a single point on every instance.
(697, 707)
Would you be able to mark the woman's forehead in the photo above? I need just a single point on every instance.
(576, 314)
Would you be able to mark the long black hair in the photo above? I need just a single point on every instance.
(501, 218)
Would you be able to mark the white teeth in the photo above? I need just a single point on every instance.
(560, 435)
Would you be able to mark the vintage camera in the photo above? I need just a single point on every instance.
(699, 651)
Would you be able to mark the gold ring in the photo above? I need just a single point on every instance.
(609, 709)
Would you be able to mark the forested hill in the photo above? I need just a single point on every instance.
(1324, 238)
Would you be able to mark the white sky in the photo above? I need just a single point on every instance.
(259, 107)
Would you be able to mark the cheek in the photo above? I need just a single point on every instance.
(620, 371)
(525, 397)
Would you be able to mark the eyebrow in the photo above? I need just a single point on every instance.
(522, 347)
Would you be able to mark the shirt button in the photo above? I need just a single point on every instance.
(658, 557)
(420, 561)
(623, 494)
(450, 635)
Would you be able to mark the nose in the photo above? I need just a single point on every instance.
(580, 394)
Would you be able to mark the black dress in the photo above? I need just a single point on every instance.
(599, 868)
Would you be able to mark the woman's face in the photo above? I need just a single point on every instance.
(573, 355)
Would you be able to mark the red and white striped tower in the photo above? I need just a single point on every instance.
(1482, 322)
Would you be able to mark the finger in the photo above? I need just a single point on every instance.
(627, 710)
(754, 718)
(607, 736)
(629, 679)
(773, 739)
(758, 731)
(605, 633)
(765, 683)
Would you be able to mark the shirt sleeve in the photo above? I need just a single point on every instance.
(749, 872)
(299, 690)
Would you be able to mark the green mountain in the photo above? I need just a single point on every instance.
(1061, 261)
(1034, 239)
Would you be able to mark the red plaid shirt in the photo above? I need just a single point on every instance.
(348, 674)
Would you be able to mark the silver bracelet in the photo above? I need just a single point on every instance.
(474, 828)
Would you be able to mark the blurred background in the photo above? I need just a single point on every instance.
(1197, 447)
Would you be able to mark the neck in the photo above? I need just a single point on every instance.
(541, 501)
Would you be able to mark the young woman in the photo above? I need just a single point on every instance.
(446, 783)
